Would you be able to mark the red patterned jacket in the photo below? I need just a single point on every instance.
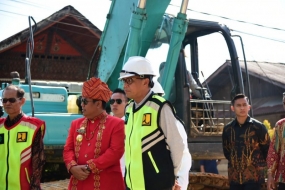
(107, 164)
(276, 153)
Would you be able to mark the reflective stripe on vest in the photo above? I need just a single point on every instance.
(141, 134)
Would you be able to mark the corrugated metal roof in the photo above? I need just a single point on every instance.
(267, 105)
(270, 72)
(273, 72)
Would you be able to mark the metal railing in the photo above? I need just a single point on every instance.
(208, 117)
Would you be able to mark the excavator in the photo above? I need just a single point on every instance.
(142, 28)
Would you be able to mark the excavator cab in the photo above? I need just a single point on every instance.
(204, 118)
(142, 28)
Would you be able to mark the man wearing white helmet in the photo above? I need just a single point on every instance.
(153, 146)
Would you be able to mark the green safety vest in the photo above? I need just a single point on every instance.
(16, 152)
(147, 156)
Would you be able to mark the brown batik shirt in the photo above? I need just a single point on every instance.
(245, 147)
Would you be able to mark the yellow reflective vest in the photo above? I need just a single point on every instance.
(16, 152)
(147, 156)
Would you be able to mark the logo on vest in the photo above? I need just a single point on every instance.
(2, 138)
(22, 136)
(146, 119)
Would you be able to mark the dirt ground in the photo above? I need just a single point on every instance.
(62, 184)
(55, 185)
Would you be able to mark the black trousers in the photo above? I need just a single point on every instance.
(248, 186)
(281, 186)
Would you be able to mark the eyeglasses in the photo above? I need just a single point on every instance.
(11, 100)
(130, 80)
(85, 101)
(119, 101)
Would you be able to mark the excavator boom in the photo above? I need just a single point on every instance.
(136, 28)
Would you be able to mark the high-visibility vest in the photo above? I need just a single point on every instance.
(16, 152)
(147, 156)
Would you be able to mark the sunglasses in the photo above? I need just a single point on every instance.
(85, 101)
(119, 101)
(11, 100)
(130, 80)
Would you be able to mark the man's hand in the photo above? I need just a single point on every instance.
(79, 172)
(176, 186)
(270, 182)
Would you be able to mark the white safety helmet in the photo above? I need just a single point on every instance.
(157, 88)
(136, 65)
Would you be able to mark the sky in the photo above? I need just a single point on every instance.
(269, 14)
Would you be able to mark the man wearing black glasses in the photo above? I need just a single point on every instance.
(153, 146)
(118, 103)
(95, 143)
(21, 144)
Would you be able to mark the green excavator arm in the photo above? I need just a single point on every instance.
(133, 28)
(128, 31)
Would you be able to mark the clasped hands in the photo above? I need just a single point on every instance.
(80, 172)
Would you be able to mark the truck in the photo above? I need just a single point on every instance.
(142, 28)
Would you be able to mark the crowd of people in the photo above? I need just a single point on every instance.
(142, 145)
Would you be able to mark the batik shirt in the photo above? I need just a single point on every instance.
(275, 157)
(246, 146)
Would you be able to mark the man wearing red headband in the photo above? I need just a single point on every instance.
(95, 143)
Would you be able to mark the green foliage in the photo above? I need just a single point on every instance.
(267, 124)
(268, 127)
(271, 133)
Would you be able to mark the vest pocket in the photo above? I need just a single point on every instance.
(153, 162)
(27, 175)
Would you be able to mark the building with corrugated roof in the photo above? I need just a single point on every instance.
(266, 82)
